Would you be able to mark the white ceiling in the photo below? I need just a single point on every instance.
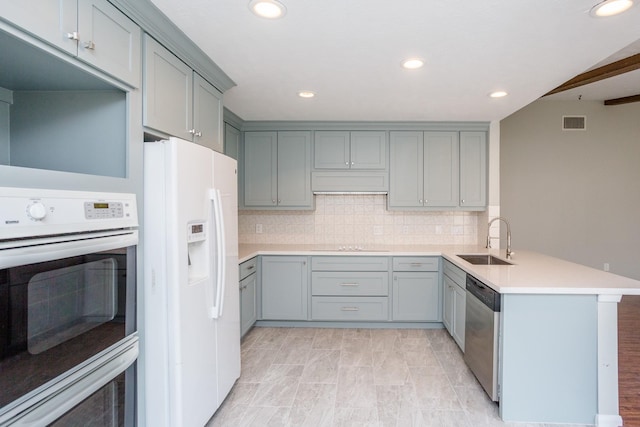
(349, 53)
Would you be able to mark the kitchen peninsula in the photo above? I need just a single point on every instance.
(558, 326)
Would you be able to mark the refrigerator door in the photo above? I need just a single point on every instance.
(226, 185)
(179, 334)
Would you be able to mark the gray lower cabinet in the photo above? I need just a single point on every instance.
(277, 170)
(92, 30)
(179, 102)
(284, 287)
(454, 302)
(416, 289)
(350, 288)
(248, 295)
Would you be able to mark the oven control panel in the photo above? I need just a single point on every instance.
(29, 212)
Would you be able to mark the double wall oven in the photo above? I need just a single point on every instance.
(68, 339)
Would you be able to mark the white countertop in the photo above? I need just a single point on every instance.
(531, 272)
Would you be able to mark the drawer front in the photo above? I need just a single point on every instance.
(349, 263)
(416, 263)
(350, 308)
(248, 267)
(375, 283)
(455, 273)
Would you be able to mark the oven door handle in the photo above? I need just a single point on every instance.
(49, 249)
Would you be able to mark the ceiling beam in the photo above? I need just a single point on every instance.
(623, 100)
(622, 66)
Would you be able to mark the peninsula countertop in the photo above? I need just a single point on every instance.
(530, 272)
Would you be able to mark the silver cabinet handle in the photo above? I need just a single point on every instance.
(352, 163)
(462, 201)
(90, 45)
(349, 284)
(195, 132)
(279, 201)
(346, 163)
(198, 134)
(251, 267)
(73, 36)
(349, 309)
(420, 201)
(273, 201)
(416, 264)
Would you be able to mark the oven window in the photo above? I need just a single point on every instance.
(58, 314)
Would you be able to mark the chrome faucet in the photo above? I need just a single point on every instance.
(499, 218)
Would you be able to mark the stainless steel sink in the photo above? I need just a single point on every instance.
(480, 259)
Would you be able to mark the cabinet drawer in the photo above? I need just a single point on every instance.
(455, 273)
(350, 283)
(349, 308)
(349, 263)
(416, 263)
(248, 267)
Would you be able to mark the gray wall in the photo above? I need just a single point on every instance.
(574, 194)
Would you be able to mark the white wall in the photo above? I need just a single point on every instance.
(574, 194)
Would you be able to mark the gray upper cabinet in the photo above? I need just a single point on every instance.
(437, 170)
(277, 170)
(231, 141)
(178, 101)
(350, 150)
(93, 30)
(473, 169)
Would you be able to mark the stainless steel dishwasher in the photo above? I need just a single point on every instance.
(481, 334)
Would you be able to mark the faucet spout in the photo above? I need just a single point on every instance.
(499, 218)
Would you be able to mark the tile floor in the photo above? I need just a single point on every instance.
(303, 377)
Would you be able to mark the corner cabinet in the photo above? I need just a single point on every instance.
(438, 170)
(454, 302)
(416, 289)
(92, 30)
(284, 287)
(277, 170)
(178, 101)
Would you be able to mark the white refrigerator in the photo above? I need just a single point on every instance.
(191, 334)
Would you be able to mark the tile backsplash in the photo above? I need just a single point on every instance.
(358, 220)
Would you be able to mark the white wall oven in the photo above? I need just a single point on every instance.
(68, 338)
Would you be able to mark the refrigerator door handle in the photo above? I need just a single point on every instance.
(220, 249)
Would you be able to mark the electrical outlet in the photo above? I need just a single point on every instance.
(606, 266)
(258, 228)
(377, 230)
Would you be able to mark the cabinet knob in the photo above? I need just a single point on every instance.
(353, 163)
(90, 45)
(346, 163)
(273, 201)
(279, 201)
(462, 201)
(73, 36)
(195, 132)
(420, 201)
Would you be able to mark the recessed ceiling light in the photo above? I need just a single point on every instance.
(270, 9)
(498, 94)
(306, 94)
(412, 63)
(610, 8)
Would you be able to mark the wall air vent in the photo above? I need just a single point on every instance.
(574, 123)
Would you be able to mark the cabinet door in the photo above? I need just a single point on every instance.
(448, 304)
(207, 114)
(231, 141)
(54, 21)
(248, 303)
(168, 91)
(260, 166)
(294, 169)
(473, 169)
(284, 288)
(368, 150)
(331, 150)
(440, 169)
(460, 302)
(406, 169)
(109, 40)
(416, 296)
